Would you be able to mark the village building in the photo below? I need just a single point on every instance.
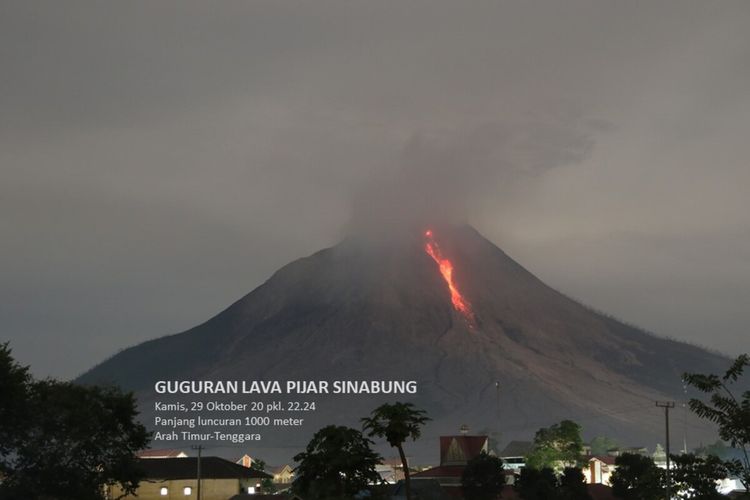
(444, 481)
(245, 460)
(176, 478)
(514, 455)
(731, 487)
(633, 450)
(282, 474)
(391, 470)
(455, 453)
(599, 469)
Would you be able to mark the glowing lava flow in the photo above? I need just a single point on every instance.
(446, 269)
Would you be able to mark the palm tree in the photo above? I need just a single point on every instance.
(396, 423)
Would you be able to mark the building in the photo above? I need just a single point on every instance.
(282, 474)
(732, 488)
(455, 453)
(245, 460)
(599, 469)
(176, 478)
(633, 450)
(391, 470)
(514, 455)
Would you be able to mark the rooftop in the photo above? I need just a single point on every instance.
(517, 449)
(186, 468)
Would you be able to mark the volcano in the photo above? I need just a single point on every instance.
(490, 345)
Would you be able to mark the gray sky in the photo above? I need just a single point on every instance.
(160, 159)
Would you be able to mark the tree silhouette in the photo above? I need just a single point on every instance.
(396, 422)
(537, 484)
(696, 477)
(483, 478)
(338, 463)
(572, 485)
(15, 382)
(72, 442)
(266, 484)
(637, 478)
(730, 411)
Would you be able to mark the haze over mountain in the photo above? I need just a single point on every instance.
(373, 308)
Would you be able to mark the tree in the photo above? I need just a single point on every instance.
(337, 464)
(559, 443)
(730, 411)
(601, 444)
(14, 412)
(718, 448)
(543, 484)
(696, 477)
(637, 478)
(572, 485)
(74, 441)
(483, 478)
(266, 484)
(397, 422)
(537, 484)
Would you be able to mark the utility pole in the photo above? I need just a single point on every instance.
(684, 419)
(498, 432)
(497, 403)
(198, 489)
(667, 405)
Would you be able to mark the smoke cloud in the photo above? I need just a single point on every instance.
(438, 174)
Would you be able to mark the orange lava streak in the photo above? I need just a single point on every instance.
(446, 269)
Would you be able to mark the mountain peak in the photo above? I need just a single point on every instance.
(487, 342)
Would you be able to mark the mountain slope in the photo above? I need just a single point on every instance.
(368, 310)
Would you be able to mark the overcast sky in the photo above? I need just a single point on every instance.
(158, 160)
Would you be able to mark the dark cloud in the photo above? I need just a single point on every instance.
(160, 159)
